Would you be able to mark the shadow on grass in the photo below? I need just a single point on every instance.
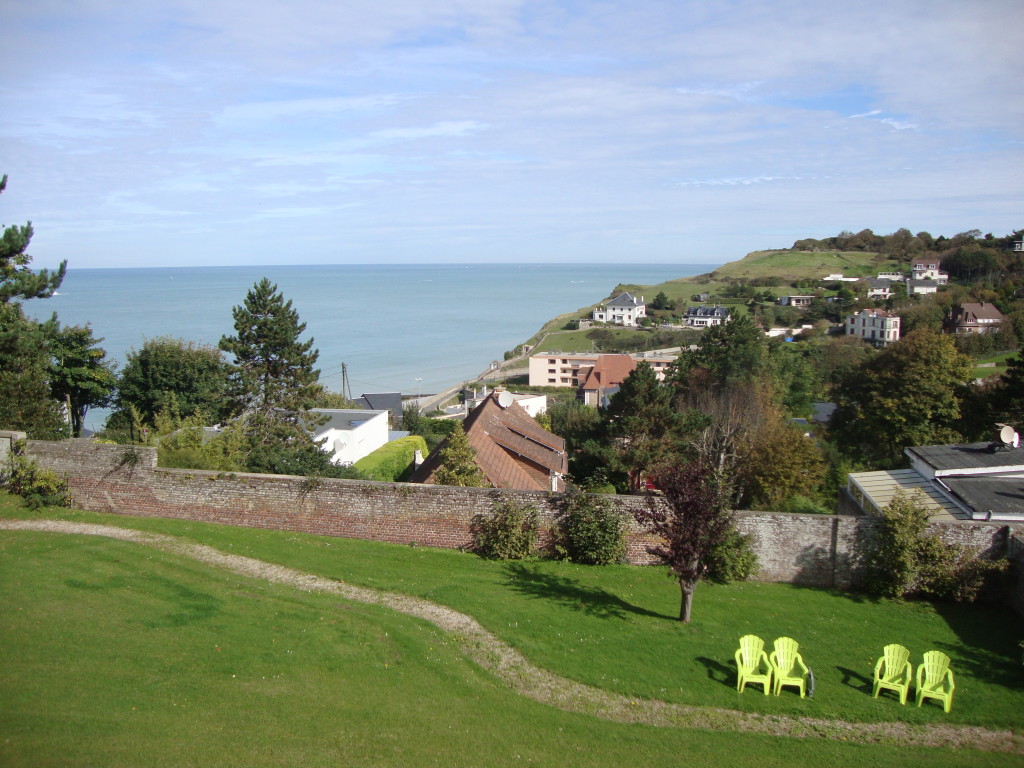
(718, 671)
(593, 601)
(855, 680)
(989, 638)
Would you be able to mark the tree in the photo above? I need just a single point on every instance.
(641, 423)
(16, 279)
(661, 301)
(692, 519)
(25, 402)
(274, 382)
(170, 373)
(79, 376)
(458, 462)
(908, 394)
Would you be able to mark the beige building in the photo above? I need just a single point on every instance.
(572, 369)
(875, 326)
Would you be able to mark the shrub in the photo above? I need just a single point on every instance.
(38, 487)
(392, 462)
(509, 533)
(589, 530)
(905, 561)
(732, 560)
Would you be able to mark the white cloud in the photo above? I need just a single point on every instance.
(504, 128)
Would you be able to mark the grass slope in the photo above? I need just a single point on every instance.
(611, 627)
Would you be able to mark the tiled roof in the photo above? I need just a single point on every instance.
(609, 371)
(512, 450)
(973, 312)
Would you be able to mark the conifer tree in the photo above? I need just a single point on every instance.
(25, 402)
(458, 462)
(274, 381)
(17, 281)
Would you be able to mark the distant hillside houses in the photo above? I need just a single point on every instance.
(925, 278)
(875, 326)
(705, 317)
(625, 309)
(980, 317)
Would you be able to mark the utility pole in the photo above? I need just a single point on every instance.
(346, 388)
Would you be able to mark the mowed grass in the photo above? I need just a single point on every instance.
(225, 670)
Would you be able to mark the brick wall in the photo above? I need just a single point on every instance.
(819, 550)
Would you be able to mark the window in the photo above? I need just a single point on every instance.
(552, 381)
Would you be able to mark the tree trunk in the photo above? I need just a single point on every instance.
(686, 587)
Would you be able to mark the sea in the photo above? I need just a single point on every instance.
(410, 328)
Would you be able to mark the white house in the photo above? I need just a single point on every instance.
(624, 309)
(877, 326)
(349, 434)
(922, 287)
(705, 317)
(880, 288)
(928, 269)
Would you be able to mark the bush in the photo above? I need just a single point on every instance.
(510, 533)
(392, 462)
(907, 562)
(732, 560)
(589, 530)
(38, 487)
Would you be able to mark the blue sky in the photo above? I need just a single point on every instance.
(194, 132)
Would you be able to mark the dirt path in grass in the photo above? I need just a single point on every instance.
(543, 686)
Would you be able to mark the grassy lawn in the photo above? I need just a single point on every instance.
(113, 651)
(992, 370)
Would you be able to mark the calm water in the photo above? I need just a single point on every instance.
(391, 324)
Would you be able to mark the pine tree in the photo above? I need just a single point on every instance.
(458, 462)
(17, 281)
(25, 402)
(274, 381)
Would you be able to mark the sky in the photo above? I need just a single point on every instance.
(222, 132)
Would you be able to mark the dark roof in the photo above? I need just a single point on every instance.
(626, 300)
(966, 456)
(512, 449)
(382, 401)
(707, 312)
(988, 496)
(879, 282)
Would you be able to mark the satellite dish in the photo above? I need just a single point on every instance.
(1007, 435)
(505, 398)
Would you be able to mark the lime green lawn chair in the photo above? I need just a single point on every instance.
(893, 671)
(750, 660)
(935, 679)
(788, 666)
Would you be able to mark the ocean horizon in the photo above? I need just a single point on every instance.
(410, 328)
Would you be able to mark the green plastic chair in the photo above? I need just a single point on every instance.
(893, 671)
(788, 666)
(750, 659)
(935, 679)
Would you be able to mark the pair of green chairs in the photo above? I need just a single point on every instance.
(893, 671)
(785, 666)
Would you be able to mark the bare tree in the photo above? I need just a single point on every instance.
(693, 518)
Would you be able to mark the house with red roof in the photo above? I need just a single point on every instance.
(512, 450)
